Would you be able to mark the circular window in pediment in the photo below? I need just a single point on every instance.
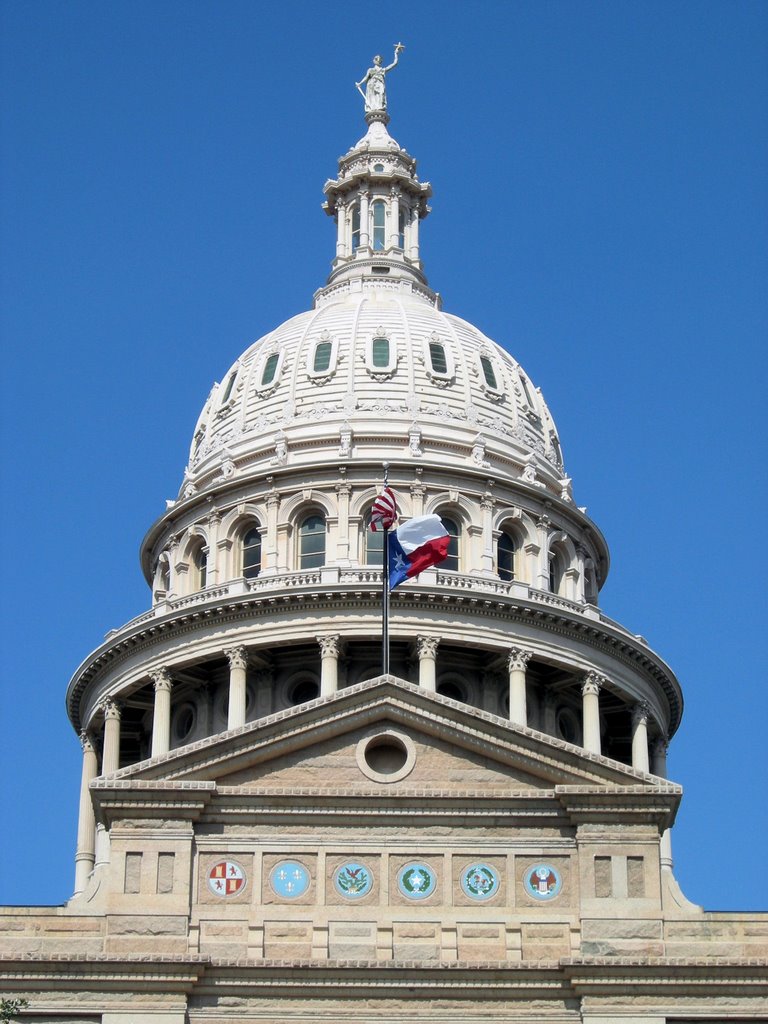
(387, 756)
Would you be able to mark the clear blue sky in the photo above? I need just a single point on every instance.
(600, 179)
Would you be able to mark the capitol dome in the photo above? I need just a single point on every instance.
(266, 578)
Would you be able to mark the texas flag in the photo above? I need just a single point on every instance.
(415, 546)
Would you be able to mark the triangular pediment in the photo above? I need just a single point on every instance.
(388, 735)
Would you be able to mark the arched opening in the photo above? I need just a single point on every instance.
(252, 553)
(454, 535)
(379, 225)
(505, 556)
(312, 541)
(200, 567)
(356, 226)
(374, 544)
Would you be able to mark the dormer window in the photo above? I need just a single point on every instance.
(488, 373)
(527, 390)
(228, 389)
(379, 225)
(322, 359)
(270, 367)
(437, 357)
(380, 353)
(380, 356)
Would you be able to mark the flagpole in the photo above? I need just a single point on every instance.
(385, 591)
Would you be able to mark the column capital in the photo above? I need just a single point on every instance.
(517, 659)
(426, 646)
(237, 657)
(86, 742)
(112, 708)
(660, 746)
(329, 645)
(161, 680)
(592, 684)
(641, 712)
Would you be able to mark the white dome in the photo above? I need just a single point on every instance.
(435, 386)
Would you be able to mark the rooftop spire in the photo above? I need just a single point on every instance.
(377, 200)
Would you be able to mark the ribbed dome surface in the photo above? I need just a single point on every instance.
(319, 375)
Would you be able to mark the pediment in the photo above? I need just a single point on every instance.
(339, 743)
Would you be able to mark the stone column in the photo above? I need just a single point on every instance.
(640, 760)
(238, 663)
(487, 555)
(413, 242)
(590, 698)
(343, 540)
(394, 218)
(660, 746)
(86, 822)
(426, 647)
(341, 234)
(541, 579)
(161, 717)
(581, 555)
(329, 663)
(365, 235)
(110, 759)
(517, 660)
(269, 552)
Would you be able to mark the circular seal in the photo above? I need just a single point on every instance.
(226, 878)
(353, 880)
(480, 882)
(416, 880)
(289, 879)
(542, 882)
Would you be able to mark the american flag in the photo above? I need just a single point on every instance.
(384, 510)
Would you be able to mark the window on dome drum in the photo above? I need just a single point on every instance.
(228, 389)
(555, 575)
(322, 359)
(252, 553)
(379, 168)
(312, 542)
(437, 357)
(379, 225)
(355, 226)
(505, 557)
(401, 228)
(490, 376)
(374, 544)
(270, 368)
(452, 561)
(200, 561)
(380, 352)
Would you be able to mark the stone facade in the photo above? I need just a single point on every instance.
(271, 829)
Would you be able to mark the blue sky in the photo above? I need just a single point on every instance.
(600, 175)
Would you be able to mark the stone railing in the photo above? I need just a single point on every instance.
(370, 577)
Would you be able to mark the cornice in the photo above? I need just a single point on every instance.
(363, 598)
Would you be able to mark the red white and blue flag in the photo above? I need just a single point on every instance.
(416, 545)
(384, 511)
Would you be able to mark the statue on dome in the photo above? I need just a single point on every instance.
(375, 94)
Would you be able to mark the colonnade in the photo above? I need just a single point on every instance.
(91, 840)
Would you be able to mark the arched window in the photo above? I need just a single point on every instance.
(312, 542)
(200, 562)
(401, 222)
(379, 225)
(505, 556)
(270, 368)
(322, 358)
(454, 532)
(556, 571)
(374, 544)
(356, 226)
(380, 352)
(488, 372)
(252, 553)
(437, 357)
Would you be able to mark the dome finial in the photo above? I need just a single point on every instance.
(375, 94)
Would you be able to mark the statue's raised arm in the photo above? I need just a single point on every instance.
(375, 94)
